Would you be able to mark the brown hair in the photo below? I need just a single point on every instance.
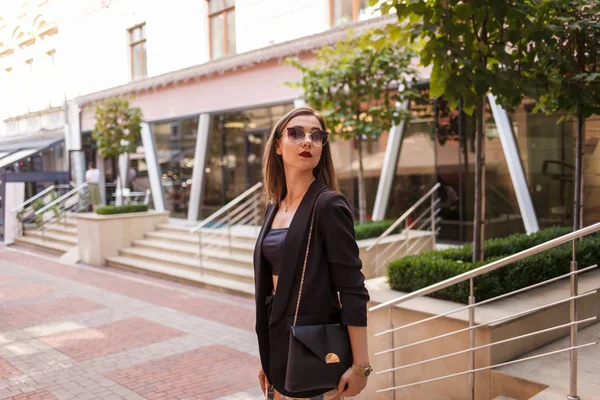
(273, 172)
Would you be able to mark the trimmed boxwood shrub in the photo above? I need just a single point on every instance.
(415, 272)
(372, 229)
(127, 208)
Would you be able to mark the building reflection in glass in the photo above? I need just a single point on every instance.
(236, 145)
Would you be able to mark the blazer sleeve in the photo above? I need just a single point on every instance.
(337, 232)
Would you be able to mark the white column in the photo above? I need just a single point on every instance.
(15, 196)
(388, 171)
(73, 142)
(200, 155)
(515, 167)
(153, 167)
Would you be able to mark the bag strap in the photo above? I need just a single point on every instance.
(312, 220)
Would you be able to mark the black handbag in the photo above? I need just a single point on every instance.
(318, 355)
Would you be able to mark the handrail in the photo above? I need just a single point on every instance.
(495, 321)
(37, 196)
(491, 266)
(404, 216)
(492, 344)
(470, 371)
(491, 300)
(226, 208)
(61, 198)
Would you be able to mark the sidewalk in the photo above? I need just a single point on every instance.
(77, 332)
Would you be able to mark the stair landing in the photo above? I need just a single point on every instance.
(553, 370)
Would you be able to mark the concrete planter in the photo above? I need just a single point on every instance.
(418, 241)
(102, 236)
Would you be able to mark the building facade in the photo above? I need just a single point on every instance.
(210, 79)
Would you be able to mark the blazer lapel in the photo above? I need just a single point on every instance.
(294, 249)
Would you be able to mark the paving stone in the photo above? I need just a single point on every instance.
(95, 334)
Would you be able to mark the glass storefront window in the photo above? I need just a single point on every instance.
(236, 145)
(175, 147)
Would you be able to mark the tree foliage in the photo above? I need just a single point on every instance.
(117, 128)
(568, 56)
(350, 85)
(472, 46)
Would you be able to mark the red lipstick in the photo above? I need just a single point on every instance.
(306, 154)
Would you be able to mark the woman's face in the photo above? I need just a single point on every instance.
(303, 156)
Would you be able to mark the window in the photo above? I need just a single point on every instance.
(344, 11)
(137, 49)
(221, 22)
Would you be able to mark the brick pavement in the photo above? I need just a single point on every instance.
(80, 332)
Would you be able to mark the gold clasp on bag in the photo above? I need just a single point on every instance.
(332, 358)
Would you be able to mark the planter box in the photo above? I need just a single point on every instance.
(102, 236)
(418, 241)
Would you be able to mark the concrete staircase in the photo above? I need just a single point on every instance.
(58, 238)
(171, 252)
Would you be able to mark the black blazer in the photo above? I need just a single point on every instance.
(333, 266)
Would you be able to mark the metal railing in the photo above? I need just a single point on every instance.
(416, 233)
(49, 189)
(26, 212)
(73, 201)
(472, 304)
(243, 210)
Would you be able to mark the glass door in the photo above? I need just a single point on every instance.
(255, 146)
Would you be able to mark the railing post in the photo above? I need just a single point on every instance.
(200, 252)
(471, 340)
(393, 354)
(229, 232)
(433, 221)
(573, 314)
(376, 259)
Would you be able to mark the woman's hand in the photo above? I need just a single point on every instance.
(355, 382)
(264, 382)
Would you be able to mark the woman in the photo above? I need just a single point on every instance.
(92, 177)
(297, 168)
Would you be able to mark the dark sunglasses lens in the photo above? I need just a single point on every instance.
(320, 137)
(316, 136)
(295, 134)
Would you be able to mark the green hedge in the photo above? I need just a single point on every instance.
(372, 229)
(128, 208)
(415, 272)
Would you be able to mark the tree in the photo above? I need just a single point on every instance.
(473, 47)
(117, 130)
(351, 85)
(568, 55)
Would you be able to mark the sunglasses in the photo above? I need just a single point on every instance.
(297, 135)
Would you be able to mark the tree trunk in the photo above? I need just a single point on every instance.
(362, 198)
(577, 196)
(479, 212)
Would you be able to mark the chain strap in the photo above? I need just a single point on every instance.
(312, 220)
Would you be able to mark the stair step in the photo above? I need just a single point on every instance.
(503, 398)
(243, 259)
(180, 274)
(192, 239)
(237, 232)
(191, 263)
(53, 236)
(31, 241)
(68, 230)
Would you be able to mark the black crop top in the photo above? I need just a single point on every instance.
(272, 247)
